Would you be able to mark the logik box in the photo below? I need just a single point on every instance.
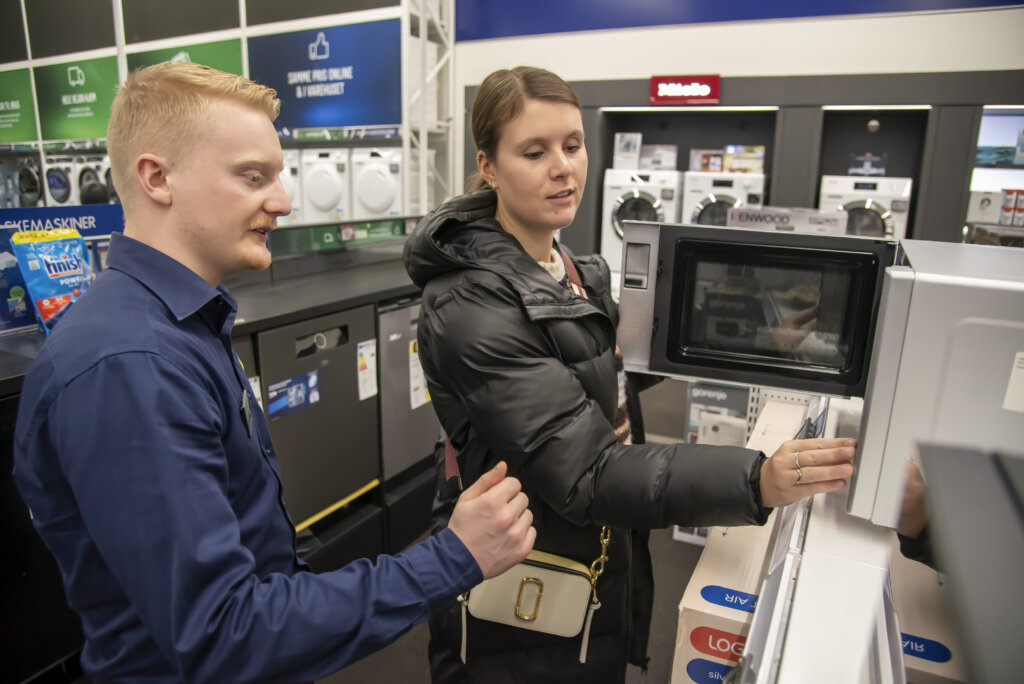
(931, 653)
(718, 604)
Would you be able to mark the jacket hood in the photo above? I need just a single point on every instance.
(429, 251)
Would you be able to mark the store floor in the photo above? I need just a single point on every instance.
(405, 660)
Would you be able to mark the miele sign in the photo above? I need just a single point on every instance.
(684, 90)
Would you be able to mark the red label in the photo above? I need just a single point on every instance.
(52, 305)
(685, 90)
(715, 642)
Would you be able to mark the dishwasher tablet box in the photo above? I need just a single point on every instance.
(57, 269)
(718, 604)
(931, 653)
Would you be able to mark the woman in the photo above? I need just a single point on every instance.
(522, 366)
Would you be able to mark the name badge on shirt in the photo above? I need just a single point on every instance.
(247, 412)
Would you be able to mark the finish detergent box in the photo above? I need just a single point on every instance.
(57, 270)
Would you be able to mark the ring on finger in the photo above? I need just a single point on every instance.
(799, 475)
(797, 457)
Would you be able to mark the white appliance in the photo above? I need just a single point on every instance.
(984, 207)
(414, 183)
(635, 195)
(60, 180)
(30, 182)
(709, 195)
(291, 179)
(89, 176)
(876, 206)
(325, 186)
(376, 183)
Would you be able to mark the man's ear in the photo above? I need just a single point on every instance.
(151, 172)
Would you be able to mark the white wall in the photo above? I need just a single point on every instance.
(971, 40)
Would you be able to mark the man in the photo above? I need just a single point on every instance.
(148, 465)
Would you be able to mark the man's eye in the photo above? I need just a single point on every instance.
(255, 178)
(533, 155)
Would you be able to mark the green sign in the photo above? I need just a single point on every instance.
(17, 115)
(75, 97)
(225, 55)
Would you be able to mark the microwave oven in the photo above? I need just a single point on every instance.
(794, 311)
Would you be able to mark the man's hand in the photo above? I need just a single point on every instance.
(492, 520)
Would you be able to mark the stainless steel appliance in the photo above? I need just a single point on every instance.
(788, 310)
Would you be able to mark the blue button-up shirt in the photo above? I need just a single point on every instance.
(164, 509)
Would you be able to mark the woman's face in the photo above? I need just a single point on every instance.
(540, 167)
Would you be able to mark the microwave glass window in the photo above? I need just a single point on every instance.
(762, 311)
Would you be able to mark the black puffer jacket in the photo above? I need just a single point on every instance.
(519, 369)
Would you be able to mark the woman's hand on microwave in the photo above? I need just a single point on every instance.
(805, 467)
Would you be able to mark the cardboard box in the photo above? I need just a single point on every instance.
(718, 605)
(931, 652)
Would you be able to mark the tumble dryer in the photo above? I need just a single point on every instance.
(325, 186)
(709, 195)
(376, 183)
(876, 206)
(635, 195)
(291, 179)
(60, 176)
(30, 182)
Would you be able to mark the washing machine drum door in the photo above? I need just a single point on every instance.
(375, 188)
(29, 187)
(323, 188)
(60, 185)
(713, 210)
(91, 189)
(109, 179)
(636, 205)
(868, 217)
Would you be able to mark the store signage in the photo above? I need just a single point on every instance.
(341, 76)
(225, 55)
(684, 90)
(17, 113)
(75, 98)
(90, 220)
(715, 642)
(788, 219)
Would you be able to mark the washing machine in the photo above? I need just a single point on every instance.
(376, 183)
(108, 180)
(709, 195)
(325, 186)
(984, 207)
(30, 182)
(92, 186)
(635, 195)
(60, 176)
(876, 206)
(291, 179)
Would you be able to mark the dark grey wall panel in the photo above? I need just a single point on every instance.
(794, 169)
(12, 32)
(266, 11)
(155, 19)
(944, 191)
(59, 27)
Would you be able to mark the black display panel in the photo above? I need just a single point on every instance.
(267, 11)
(60, 27)
(156, 19)
(12, 32)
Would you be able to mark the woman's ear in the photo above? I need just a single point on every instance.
(151, 172)
(486, 168)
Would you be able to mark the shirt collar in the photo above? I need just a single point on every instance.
(177, 286)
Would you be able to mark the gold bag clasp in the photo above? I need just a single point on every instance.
(519, 599)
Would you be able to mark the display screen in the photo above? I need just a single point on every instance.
(767, 307)
(865, 186)
(715, 183)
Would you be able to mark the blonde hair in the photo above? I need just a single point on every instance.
(164, 109)
(501, 99)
